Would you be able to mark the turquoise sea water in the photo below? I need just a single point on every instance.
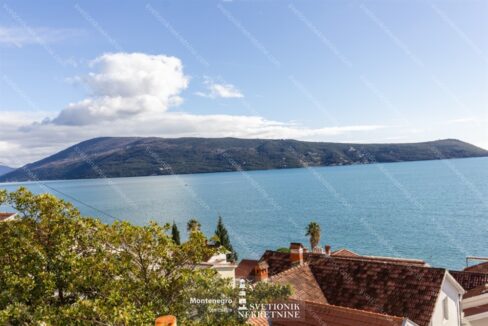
(433, 210)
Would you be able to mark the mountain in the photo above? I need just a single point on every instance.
(135, 156)
(5, 169)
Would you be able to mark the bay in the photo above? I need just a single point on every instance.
(432, 210)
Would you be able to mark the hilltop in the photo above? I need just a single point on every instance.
(136, 156)
(5, 169)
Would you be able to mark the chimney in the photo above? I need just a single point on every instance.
(296, 253)
(327, 250)
(261, 271)
(168, 320)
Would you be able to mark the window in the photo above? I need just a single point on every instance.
(445, 308)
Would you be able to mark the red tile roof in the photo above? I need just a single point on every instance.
(479, 290)
(330, 315)
(303, 283)
(245, 269)
(404, 261)
(389, 287)
(343, 252)
(479, 268)
(470, 280)
(5, 216)
(475, 310)
(258, 321)
(316, 314)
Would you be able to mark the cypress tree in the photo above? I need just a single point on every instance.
(224, 241)
(175, 234)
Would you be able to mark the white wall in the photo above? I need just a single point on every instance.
(476, 320)
(449, 290)
(479, 322)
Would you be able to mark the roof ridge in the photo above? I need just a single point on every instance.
(344, 248)
(289, 270)
(382, 262)
(396, 258)
(393, 261)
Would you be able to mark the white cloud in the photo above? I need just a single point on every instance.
(224, 90)
(127, 85)
(461, 120)
(16, 36)
(130, 96)
(26, 142)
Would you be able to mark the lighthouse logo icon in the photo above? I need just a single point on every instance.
(242, 295)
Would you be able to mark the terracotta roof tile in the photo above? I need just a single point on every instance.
(258, 321)
(475, 310)
(304, 285)
(316, 314)
(343, 252)
(393, 288)
(479, 290)
(479, 268)
(245, 269)
(470, 280)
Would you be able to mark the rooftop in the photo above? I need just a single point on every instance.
(480, 290)
(394, 287)
(480, 268)
(245, 269)
(304, 285)
(470, 280)
(330, 315)
(7, 216)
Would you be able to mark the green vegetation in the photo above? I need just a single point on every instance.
(130, 156)
(175, 234)
(313, 231)
(59, 268)
(283, 250)
(193, 226)
(223, 239)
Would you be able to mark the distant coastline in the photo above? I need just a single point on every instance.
(115, 157)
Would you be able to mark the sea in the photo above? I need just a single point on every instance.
(431, 210)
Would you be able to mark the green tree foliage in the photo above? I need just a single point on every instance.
(193, 226)
(223, 238)
(175, 234)
(283, 250)
(313, 231)
(59, 268)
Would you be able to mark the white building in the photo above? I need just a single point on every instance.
(225, 268)
(475, 306)
(447, 310)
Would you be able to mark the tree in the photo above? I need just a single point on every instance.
(175, 234)
(223, 238)
(313, 231)
(193, 225)
(59, 268)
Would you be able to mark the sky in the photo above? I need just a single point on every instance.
(342, 71)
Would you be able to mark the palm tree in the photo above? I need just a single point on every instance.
(193, 225)
(313, 230)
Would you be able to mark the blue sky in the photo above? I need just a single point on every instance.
(357, 71)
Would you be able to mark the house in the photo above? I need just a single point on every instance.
(223, 267)
(474, 304)
(6, 217)
(339, 287)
